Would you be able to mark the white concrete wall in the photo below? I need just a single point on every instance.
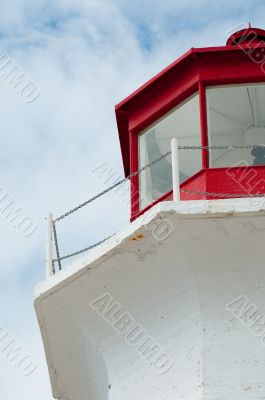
(178, 290)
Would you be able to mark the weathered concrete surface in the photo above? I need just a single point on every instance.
(177, 289)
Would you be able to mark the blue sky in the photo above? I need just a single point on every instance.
(86, 56)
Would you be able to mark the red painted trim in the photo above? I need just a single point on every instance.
(168, 195)
(195, 70)
(134, 148)
(134, 161)
(233, 180)
(204, 128)
(193, 53)
(233, 81)
(187, 58)
(148, 118)
(213, 66)
(154, 79)
(134, 144)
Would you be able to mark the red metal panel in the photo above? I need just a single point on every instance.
(164, 98)
(236, 180)
(131, 98)
(221, 70)
(232, 180)
(212, 66)
(196, 182)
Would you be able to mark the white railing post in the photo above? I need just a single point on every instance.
(49, 266)
(175, 169)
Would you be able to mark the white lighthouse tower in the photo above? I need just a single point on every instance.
(173, 306)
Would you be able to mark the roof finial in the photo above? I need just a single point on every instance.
(249, 25)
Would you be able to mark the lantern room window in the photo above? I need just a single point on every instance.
(182, 123)
(225, 116)
(236, 116)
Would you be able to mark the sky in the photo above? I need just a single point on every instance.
(84, 56)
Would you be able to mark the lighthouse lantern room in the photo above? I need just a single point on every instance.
(211, 100)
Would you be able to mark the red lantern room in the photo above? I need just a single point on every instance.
(212, 99)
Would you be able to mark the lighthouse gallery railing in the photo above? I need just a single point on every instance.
(51, 222)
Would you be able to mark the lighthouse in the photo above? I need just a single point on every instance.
(173, 305)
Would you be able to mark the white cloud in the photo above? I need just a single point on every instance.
(85, 56)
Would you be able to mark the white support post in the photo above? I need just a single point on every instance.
(175, 169)
(49, 266)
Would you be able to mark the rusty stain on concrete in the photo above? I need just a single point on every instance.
(137, 237)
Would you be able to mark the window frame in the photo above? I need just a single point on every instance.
(244, 83)
(200, 86)
(199, 161)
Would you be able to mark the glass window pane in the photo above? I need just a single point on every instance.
(236, 116)
(182, 123)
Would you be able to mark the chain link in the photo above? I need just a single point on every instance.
(59, 259)
(193, 192)
(53, 267)
(83, 250)
(232, 147)
(133, 174)
(112, 187)
(226, 195)
(56, 246)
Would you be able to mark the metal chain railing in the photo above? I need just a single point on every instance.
(213, 194)
(228, 147)
(225, 195)
(146, 167)
(76, 253)
(59, 258)
(112, 187)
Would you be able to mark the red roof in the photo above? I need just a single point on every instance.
(213, 65)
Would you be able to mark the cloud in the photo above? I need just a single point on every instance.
(86, 56)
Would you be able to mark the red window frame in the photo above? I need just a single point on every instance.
(200, 88)
(194, 71)
(134, 149)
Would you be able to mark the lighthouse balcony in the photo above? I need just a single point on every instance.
(163, 309)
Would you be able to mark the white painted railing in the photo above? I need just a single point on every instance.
(49, 239)
(175, 169)
(50, 222)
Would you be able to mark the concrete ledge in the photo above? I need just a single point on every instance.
(184, 209)
(173, 272)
